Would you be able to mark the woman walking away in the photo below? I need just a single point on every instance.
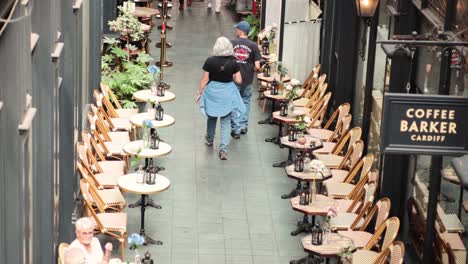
(218, 94)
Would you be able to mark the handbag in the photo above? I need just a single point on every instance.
(460, 166)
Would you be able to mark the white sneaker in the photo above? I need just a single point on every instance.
(209, 4)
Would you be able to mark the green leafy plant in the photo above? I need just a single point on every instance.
(302, 125)
(123, 75)
(127, 25)
(281, 69)
(254, 26)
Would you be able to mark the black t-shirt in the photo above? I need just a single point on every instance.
(221, 68)
(246, 53)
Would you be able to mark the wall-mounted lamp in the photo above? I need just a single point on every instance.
(366, 8)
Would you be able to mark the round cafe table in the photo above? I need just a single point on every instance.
(135, 148)
(147, 95)
(318, 207)
(128, 184)
(138, 119)
(335, 244)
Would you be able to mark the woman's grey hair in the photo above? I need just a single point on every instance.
(223, 47)
(84, 223)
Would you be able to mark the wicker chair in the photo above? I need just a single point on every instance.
(360, 237)
(344, 220)
(371, 257)
(106, 128)
(349, 160)
(340, 190)
(344, 176)
(107, 199)
(397, 252)
(110, 224)
(116, 111)
(104, 144)
(61, 252)
(114, 167)
(115, 123)
(337, 148)
(101, 180)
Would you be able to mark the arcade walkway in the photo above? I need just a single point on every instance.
(215, 211)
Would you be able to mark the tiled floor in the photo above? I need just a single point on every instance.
(215, 211)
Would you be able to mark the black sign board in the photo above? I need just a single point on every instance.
(424, 124)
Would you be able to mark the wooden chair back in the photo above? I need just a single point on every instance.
(313, 87)
(93, 193)
(61, 252)
(365, 165)
(339, 114)
(317, 114)
(352, 136)
(397, 252)
(390, 227)
(353, 155)
(365, 194)
(108, 112)
(109, 94)
(341, 128)
(381, 211)
(91, 143)
(88, 158)
(99, 130)
(89, 206)
(382, 257)
(88, 175)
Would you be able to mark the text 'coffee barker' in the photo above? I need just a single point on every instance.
(429, 124)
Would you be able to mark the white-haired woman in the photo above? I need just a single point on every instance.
(91, 247)
(218, 94)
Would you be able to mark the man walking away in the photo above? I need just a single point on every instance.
(248, 57)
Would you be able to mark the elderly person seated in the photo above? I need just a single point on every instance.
(91, 247)
(74, 256)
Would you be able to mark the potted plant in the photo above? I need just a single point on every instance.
(128, 26)
(254, 23)
(123, 75)
(291, 93)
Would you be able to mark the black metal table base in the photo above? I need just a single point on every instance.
(149, 202)
(166, 64)
(144, 203)
(302, 226)
(294, 192)
(151, 241)
(310, 259)
(282, 164)
(269, 121)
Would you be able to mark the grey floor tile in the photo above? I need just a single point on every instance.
(239, 259)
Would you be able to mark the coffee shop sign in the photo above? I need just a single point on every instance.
(422, 124)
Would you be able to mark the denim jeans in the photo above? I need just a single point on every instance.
(242, 122)
(225, 130)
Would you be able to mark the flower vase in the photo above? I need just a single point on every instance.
(291, 107)
(137, 258)
(347, 260)
(326, 231)
(272, 48)
(140, 178)
(146, 137)
(313, 192)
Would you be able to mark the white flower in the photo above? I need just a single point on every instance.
(273, 58)
(267, 29)
(307, 120)
(295, 82)
(289, 87)
(274, 26)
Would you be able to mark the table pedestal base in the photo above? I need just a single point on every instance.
(149, 240)
(269, 121)
(144, 204)
(293, 193)
(302, 226)
(285, 163)
(149, 202)
(310, 259)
